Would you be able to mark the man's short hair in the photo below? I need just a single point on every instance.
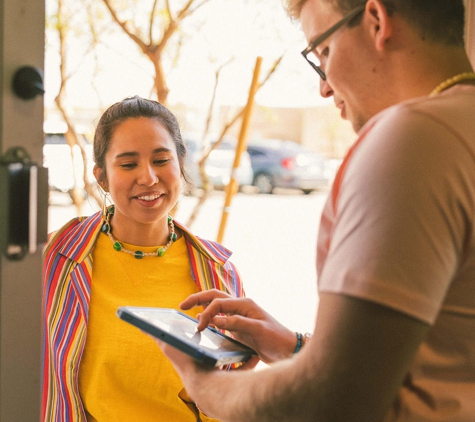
(440, 21)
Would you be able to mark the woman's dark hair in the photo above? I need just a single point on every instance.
(437, 20)
(135, 107)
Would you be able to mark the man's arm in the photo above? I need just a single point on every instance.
(350, 370)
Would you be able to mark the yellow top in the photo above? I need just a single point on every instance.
(123, 375)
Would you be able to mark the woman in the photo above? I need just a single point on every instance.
(96, 367)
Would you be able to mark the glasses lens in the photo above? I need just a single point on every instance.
(313, 60)
(315, 63)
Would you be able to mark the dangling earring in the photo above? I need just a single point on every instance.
(105, 196)
(104, 206)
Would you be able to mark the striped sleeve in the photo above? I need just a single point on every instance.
(209, 274)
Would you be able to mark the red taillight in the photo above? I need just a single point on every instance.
(288, 163)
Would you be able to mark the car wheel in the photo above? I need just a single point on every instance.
(263, 182)
(307, 191)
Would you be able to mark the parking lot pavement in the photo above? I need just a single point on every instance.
(273, 239)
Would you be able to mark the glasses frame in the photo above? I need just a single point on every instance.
(344, 21)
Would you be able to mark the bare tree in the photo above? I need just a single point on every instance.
(150, 44)
(157, 28)
(72, 137)
(207, 185)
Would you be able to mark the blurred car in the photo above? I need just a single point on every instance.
(331, 168)
(218, 165)
(286, 164)
(66, 165)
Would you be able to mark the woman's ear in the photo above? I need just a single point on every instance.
(98, 174)
(379, 22)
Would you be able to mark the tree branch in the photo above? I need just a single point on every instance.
(208, 188)
(152, 21)
(144, 47)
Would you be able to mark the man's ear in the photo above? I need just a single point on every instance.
(380, 23)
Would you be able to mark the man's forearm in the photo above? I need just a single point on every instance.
(277, 393)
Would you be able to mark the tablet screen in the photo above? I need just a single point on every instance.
(182, 326)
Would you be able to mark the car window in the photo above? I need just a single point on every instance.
(191, 146)
(55, 139)
(60, 139)
(255, 153)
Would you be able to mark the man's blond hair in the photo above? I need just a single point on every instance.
(436, 20)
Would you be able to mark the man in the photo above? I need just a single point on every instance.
(394, 338)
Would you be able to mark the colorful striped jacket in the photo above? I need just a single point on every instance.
(67, 274)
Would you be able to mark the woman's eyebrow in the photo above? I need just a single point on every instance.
(135, 153)
(162, 149)
(127, 154)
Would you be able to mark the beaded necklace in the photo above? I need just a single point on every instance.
(107, 229)
(452, 81)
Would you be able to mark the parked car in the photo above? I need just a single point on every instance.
(286, 164)
(65, 165)
(331, 168)
(218, 165)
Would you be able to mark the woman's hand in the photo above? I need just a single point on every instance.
(247, 321)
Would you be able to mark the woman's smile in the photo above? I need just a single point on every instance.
(143, 178)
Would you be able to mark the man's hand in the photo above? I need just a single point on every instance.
(248, 323)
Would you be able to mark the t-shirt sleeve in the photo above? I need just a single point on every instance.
(401, 215)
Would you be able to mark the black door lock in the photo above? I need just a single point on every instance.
(23, 204)
(28, 82)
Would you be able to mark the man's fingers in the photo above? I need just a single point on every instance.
(236, 324)
(202, 298)
(227, 306)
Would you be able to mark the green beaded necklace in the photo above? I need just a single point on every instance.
(107, 229)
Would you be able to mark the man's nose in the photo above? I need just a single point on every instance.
(326, 91)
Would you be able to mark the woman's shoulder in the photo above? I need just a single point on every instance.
(210, 248)
(70, 230)
(213, 259)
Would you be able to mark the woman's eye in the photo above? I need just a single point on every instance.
(162, 161)
(128, 165)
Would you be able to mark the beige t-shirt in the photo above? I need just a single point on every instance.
(398, 229)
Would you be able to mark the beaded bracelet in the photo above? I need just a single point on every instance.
(299, 342)
(302, 339)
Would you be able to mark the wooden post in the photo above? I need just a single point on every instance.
(470, 29)
(233, 185)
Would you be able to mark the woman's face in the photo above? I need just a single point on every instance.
(143, 173)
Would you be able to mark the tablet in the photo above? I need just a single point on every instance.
(209, 346)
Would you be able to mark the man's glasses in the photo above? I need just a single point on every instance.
(344, 21)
